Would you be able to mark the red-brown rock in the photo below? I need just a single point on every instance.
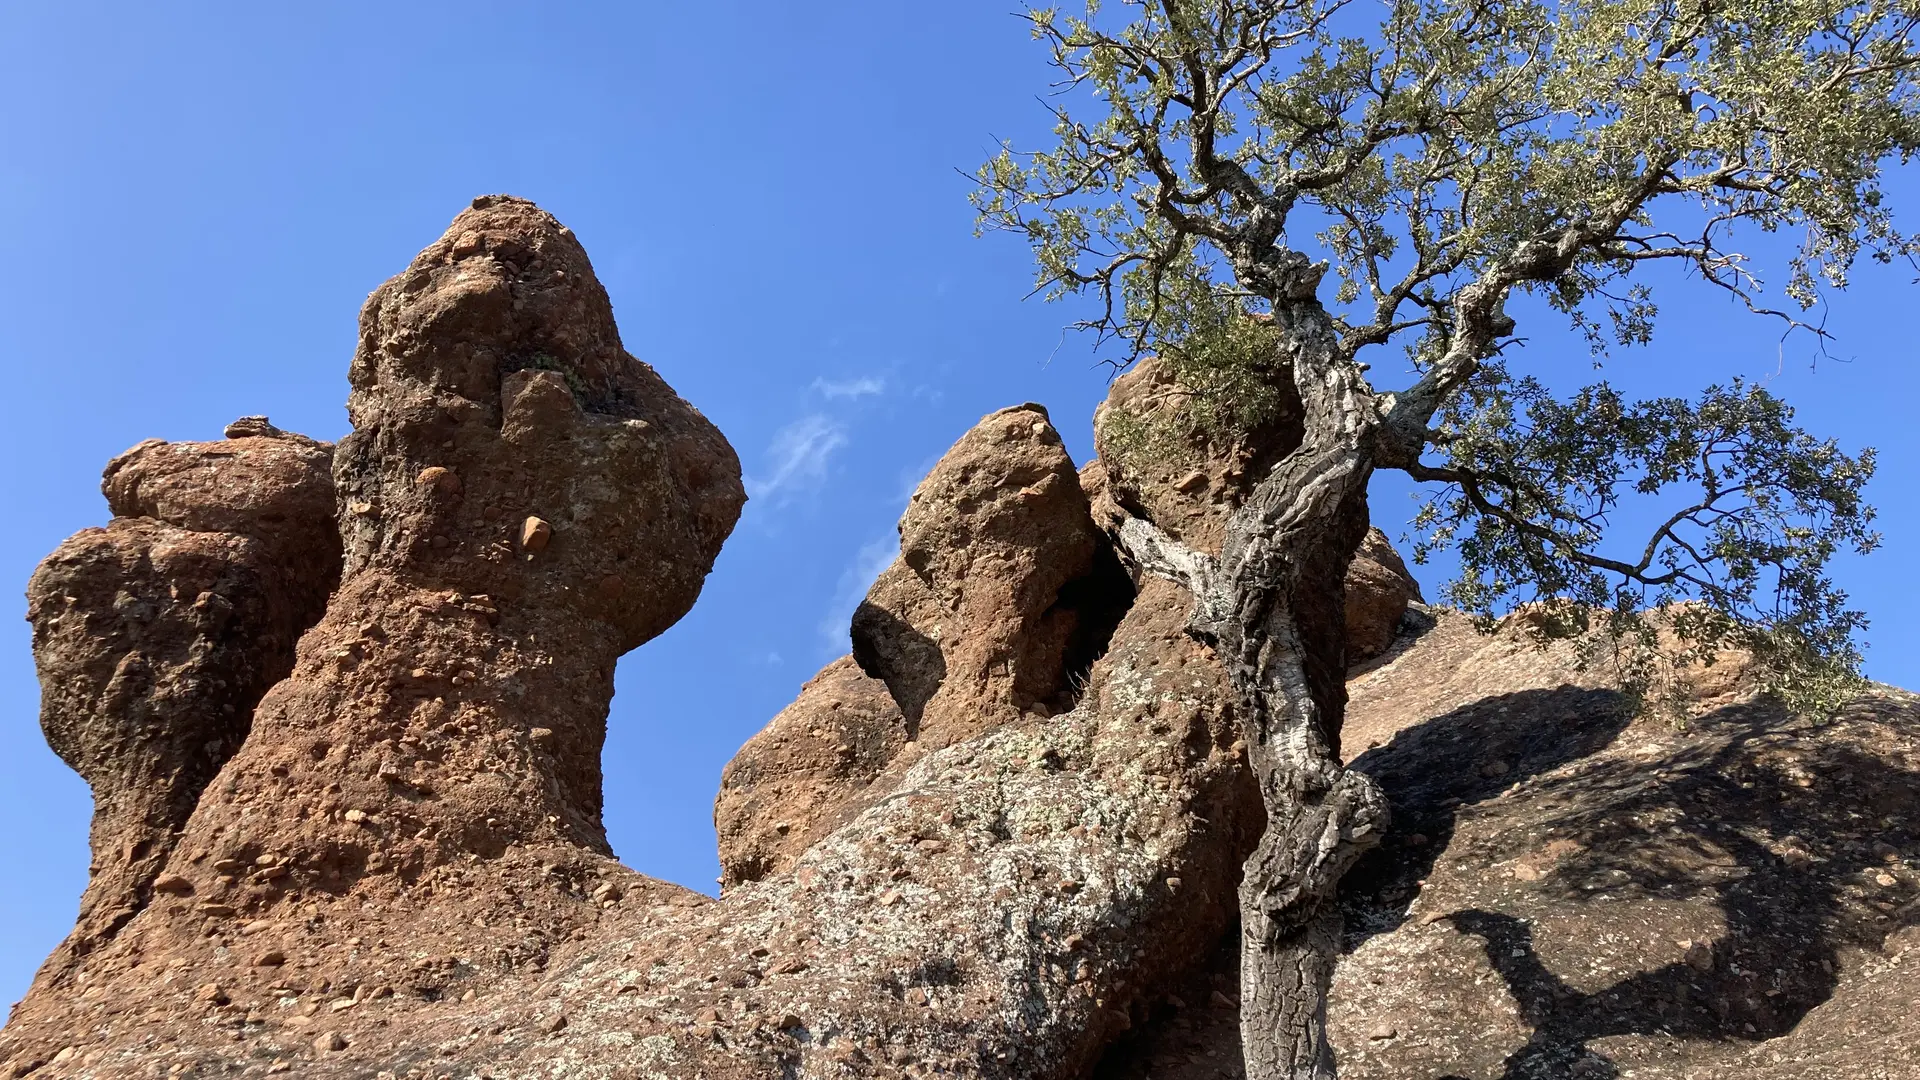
(156, 636)
(1004, 588)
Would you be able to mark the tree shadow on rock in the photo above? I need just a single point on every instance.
(1778, 824)
(1464, 757)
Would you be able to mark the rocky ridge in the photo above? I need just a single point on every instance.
(990, 842)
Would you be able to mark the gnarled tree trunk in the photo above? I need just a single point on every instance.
(1272, 606)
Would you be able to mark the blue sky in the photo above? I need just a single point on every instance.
(196, 200)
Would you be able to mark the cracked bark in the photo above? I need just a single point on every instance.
(1272, 606)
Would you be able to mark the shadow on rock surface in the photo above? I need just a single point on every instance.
(1567, 896)
(1739, 828)
(1473, 754)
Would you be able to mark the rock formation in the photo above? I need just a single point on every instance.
(1001, 839)
(1003, 594)
(1571, 891)
(156, 636)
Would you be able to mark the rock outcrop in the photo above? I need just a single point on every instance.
(795, 780)
(1569, 891)
(1001, 839)
(1004, 590)
(156, 636)
(520, 502)
(1003, 594)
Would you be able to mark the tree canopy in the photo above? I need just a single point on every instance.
(1435, 161)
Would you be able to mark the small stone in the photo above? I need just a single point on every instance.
(172, 883)
(607, 890)
(1885, 879)
(329, 1043)
(253, 427)
(534, 534)
(355, 816)
(1192, 482)
(342, 1004)
(541, 737)
(612, 585)
(468, 243)
(1221, 1001)
(1493, 768)
(211, 908)
(270, 958)
(1380, 1032)
(1173, 883)
(553, 1023)
(439, 478)
(212, 993)
(1699, 955)
(890, 898)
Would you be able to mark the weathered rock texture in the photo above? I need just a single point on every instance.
(1003, 593)
(156, 636)
(1183, 478)
(1002, 596)
(521, 502)
(797, 779)
(1004, 590)
(1570, 892)
(999, 841)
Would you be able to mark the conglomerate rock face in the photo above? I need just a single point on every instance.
(156, 636)
(1004, 588)
(1002, 839)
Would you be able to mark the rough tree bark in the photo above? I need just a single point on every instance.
(1271, 605)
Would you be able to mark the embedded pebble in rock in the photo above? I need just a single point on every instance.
(534, 534)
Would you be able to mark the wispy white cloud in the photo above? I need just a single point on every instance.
(852, 588)
(864, 386)
(798, 457)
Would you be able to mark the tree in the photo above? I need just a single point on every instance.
(1441, 160)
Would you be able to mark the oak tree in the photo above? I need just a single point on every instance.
(1286, 194)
